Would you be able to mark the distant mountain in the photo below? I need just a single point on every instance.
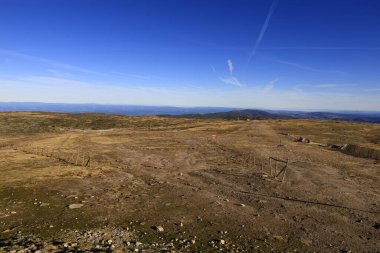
(365, 117)
(234, 114)
(261, 114)
(201, 112)
(131, 110)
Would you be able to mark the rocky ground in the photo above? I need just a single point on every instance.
(166, 185)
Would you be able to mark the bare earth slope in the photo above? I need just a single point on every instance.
(131, 177)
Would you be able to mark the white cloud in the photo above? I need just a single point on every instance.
(268, 87)
(325, 85)
(231, 80)
(230, 66)
(299, 66)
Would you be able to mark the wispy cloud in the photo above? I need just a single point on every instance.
(300, 66)
(325, 85)
(230, 66)
(263, 28)
(67, 67)
(231, 80)
(269, 86)
(329, 85)
(144, 77)
(53, 63)
(371, 90)
(213, 69)
(321, 48)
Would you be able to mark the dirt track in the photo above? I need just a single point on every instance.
(206, 195)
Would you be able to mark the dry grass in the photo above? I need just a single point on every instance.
(333, 132)
(162, 171)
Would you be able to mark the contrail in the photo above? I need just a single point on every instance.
(264, 28)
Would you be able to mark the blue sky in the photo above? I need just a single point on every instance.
(281, 54)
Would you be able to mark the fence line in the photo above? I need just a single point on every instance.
(55, 153)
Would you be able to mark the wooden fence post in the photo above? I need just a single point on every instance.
(286, 168)
(275, 169)
(76, 160)
(83, 160)
(250, 160)
(270, 167)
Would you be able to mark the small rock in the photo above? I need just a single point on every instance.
(75, 206)
(158, 228)
(278, 237)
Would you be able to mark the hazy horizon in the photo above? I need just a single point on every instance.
(275, 55)
(217, 108)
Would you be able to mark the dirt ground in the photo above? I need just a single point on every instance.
(132, 177)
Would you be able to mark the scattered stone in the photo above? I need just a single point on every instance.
(158, 228)
(75, 206)
(377, 226)
(278, 237)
